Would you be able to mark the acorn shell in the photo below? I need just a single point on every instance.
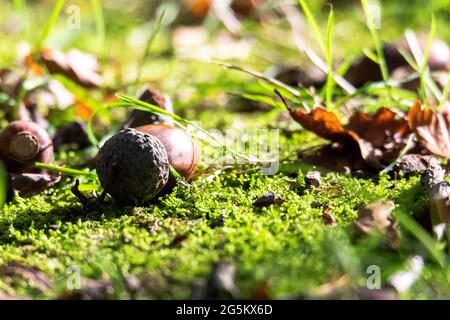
(182, 150)
(133, 167)
(22, 143)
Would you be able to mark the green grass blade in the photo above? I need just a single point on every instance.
(377, 42)
(21, 7)
(329, 59)
(51, 22)
(445, 91)
(427, 241)
(3, 185)
(425, 76)
(312, 23)
(148, 46)
(99, 23)
(259, 75)
(424, 72)
(63, 170)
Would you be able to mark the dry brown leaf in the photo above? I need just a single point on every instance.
(376, 218)
(81, 67)
(381, 136)
(323, 123)
(378, 137)
(328, 217)
(432, 128)
(27, 184)
(415, 163)
(33, 276)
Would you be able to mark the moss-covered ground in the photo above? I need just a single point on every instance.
(171, 246)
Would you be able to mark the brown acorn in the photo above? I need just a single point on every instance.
(182, 150)
(23, 143)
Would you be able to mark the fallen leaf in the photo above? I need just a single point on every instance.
(328, 217)
(432, 128)
(199, 8)
(384, 293)
(27, 184)
(336, 158)
(82, 110)
(32, 276)
(268, 199)
(91, 289)
(375, 217)
(261, 292)
(81, 67)
(7, 296)
(378, 137)
(415, 163)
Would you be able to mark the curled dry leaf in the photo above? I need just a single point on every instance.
(415, 163)
(376, 138)
(200, 8)
(27, 184)
(328, 217)
(432, 128)
(375, 217)
(15, 270)
(261, 292)
(81, 67)
(91, 289)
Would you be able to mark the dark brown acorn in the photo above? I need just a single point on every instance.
(23, 143)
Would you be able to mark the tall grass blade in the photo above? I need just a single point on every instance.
(376, 39)
(427, 241)
(312, 23)
(329, 59)
(258, 75)
(51, 22)
(424, 71)
(148, 46)
(21, 7)
(99, 23)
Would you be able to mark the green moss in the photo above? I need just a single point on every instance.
(175, 242)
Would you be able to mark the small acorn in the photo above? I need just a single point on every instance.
(23, 143)
(133, 167)
(182, 150)
(139, 118)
